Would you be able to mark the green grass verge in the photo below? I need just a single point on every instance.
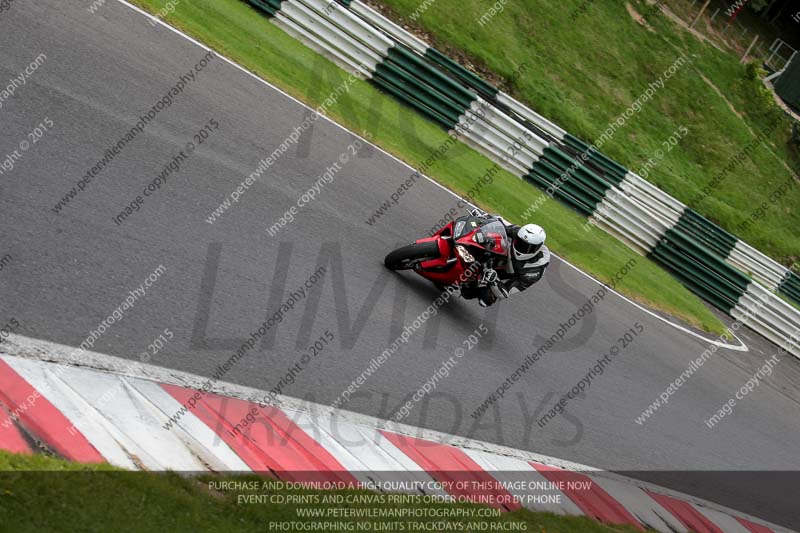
(234, 29)
(584, 73)
(39, 493)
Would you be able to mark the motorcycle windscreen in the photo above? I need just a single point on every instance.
(492, 237)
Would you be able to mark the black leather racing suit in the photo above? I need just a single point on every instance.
(513, 275)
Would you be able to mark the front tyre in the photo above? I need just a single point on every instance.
(408, 257)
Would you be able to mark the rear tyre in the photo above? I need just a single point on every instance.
(408, 257)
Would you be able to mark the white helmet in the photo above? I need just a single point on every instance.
(528, 241)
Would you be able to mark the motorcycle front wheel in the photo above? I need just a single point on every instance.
(410, 256)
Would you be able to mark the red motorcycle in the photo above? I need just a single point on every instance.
(458, 254)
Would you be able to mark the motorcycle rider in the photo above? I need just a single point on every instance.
(524, 266)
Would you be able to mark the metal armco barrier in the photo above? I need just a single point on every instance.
(711, 262)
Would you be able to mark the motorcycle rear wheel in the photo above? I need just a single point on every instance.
(408, 257)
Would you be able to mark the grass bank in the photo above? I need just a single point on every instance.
(588, 61)
(39, 493)
(237, 31)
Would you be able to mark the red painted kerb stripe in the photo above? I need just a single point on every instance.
(588, 496)
(11, 438)
(686, 513)
(752, 526)
(459, 474)
(270, 442)
(41, 418)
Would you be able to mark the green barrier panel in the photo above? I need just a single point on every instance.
(269, 6)
(577, 190)
(790, 287)
(579, 180)
(699, 279)
(569, 199)
(707, 232)
(610, 174)
(566, 162)
(712, 260)
(419, 69)
(386, 82)
(469, 78)
(409, 78)
(614, 171)
(793, 295)
(711, 277)
(544, 174)
(681, 269)
(418, 89)
(414, 92)
(570, 195)
(580, 173)
(792, 281)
